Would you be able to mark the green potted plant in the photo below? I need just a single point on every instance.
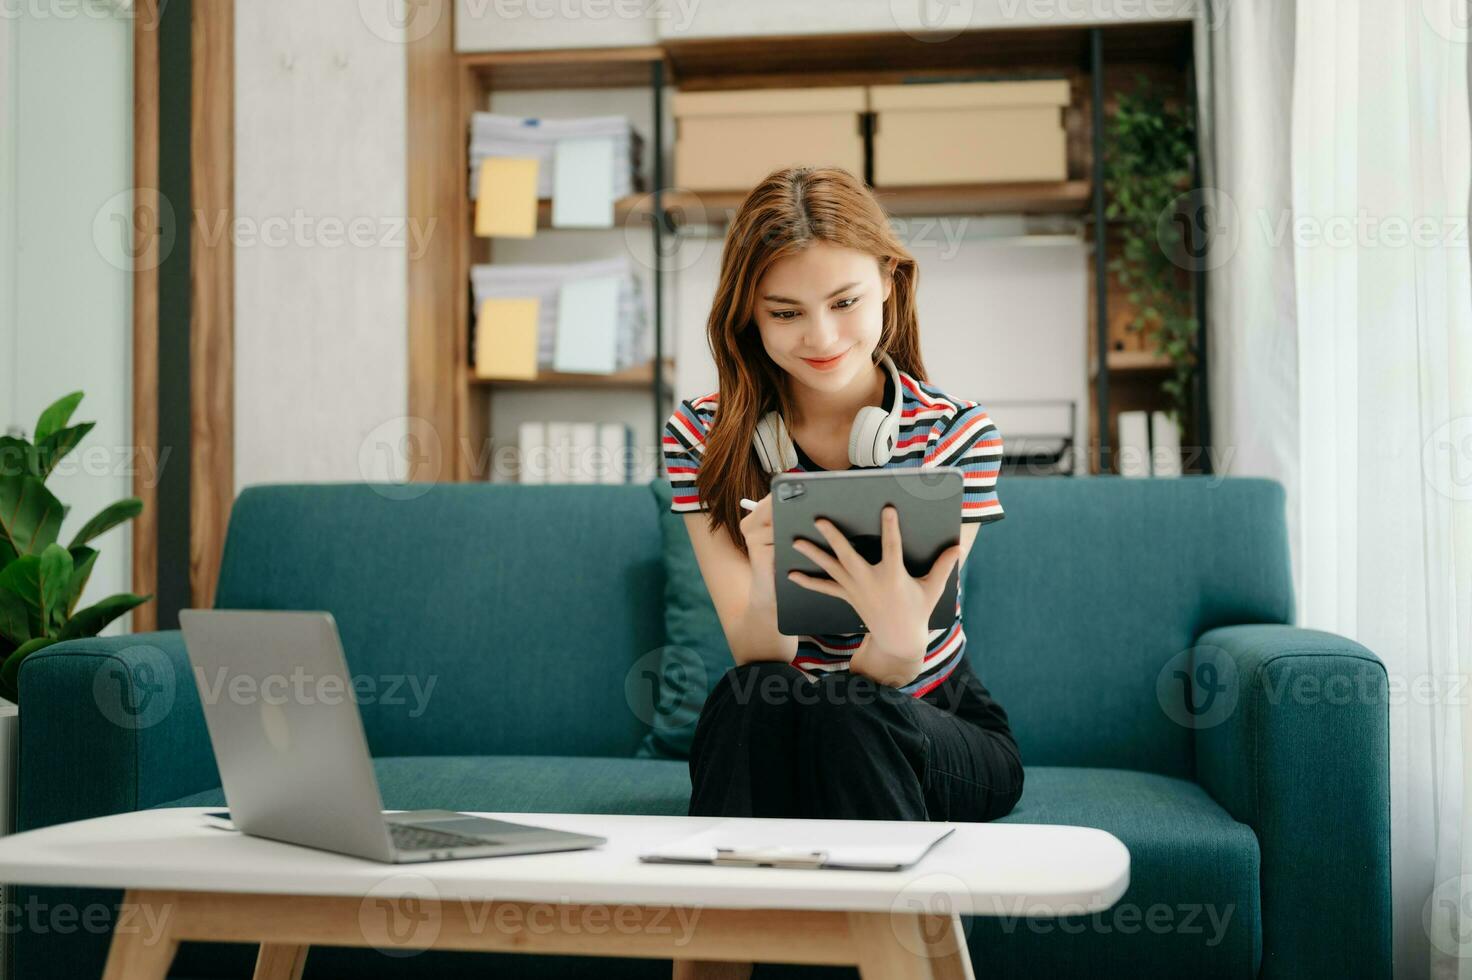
(1148, 167)
(42, 580)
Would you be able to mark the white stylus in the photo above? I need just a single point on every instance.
(748, 503)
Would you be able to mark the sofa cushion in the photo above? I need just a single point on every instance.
(1090, 587)
(1192, 905)
(479, 618)
(695, 654)
(522, 783)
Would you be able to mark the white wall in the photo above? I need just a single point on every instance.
(321, 356)
(483, 25)
(65, 287)
(691, 18)
(486, 25)
(9, 408)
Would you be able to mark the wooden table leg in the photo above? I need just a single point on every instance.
(950, 959)
(143, 946)
(896, 946)
(280, 962)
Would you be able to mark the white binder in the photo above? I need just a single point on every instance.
(774, 843)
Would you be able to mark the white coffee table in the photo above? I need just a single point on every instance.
(188, 880)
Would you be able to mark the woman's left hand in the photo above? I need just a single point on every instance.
(894, 604)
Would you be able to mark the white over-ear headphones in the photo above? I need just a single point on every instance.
(870, 441)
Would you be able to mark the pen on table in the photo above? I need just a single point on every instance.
(748, 503)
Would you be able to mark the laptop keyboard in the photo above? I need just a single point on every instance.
(408, 837)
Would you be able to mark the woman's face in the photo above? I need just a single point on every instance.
(820, 313)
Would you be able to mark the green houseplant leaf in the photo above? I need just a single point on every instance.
(41, 582)
(22, 579)
(50, 450)
(82, 560)
(56, 415)
(15, 620)
(30, 517)
(90, 621)
(1148, 170)
(108, 518)
(17, 457)
(55, 575)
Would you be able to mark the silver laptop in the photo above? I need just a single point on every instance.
(294, 758)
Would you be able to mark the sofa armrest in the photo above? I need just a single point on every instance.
(109, 724)
(1301, 755)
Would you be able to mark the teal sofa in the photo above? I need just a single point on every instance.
(1137, 631)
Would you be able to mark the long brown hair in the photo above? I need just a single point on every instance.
(786, 213)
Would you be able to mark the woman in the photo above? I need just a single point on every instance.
(814, 292)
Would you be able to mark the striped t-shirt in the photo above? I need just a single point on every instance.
(937, 430)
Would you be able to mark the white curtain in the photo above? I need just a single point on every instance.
(1244, 77)
(1359, 397)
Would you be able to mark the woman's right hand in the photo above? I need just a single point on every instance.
(756, 528)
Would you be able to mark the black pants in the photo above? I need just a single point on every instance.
(771, 743)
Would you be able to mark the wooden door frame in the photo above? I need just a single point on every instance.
(211, 294)
(146, 244)
(435, 180)
(211, 291)
(433, 114)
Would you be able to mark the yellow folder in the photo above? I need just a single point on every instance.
(506, 198)
(506, 338)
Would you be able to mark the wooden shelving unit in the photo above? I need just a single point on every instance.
(1162, 50)
(1134, 362)
(477, 76)
(640, 376)
(1051, 197)
(715, 207)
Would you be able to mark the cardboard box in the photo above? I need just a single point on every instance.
(969, 132)
(728, 141)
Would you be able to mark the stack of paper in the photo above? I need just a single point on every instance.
(493, 135)
(575, 452)
(590, 316)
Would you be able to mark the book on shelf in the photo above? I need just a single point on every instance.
(1149, 444)
(574, 452)
(1165, 445)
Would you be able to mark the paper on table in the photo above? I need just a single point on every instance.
(506, 338)
(506, 198)
(582, 192)
(587, 325)
(843, 843)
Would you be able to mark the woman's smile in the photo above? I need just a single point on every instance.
(826, 364)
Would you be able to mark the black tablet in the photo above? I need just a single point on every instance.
(929, 506)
